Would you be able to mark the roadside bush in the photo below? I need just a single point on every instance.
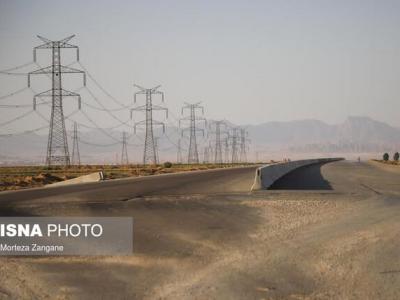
(396, 156)
(167, 164)
(386, 157)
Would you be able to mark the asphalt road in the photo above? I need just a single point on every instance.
(196, 182)
(322, 232)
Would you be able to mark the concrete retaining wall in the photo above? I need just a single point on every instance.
(267, 175)
(93, 177)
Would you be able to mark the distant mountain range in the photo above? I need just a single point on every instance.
(353, 130)
(357, 135)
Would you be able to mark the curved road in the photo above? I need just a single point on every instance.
(196, 182)
(325, 231)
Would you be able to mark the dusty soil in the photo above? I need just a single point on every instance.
(341, 242)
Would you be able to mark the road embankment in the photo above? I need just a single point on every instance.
(267, 175)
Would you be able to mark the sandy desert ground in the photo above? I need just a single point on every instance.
(323, 232)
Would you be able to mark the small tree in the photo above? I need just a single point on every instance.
(386, 157)
(396, 156)
(167, 164)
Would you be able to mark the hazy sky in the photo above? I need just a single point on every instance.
(247, 61)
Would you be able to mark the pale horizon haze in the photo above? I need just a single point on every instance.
(249, 62)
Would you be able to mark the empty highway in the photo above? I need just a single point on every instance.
(324, 231)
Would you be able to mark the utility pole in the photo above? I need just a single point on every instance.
(76, 158)
(218, 141)
(179, 153)
(243, 145)
(193, 155)
(149, 153)
(124, 153)
(57, 145)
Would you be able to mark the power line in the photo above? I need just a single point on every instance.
(13, 93)
(36, 129)
(102, 109)
(99, 128)
(15, 105)
(93, 127)
(23, 132)
(102, 130)
(101, 88)
(174, 143)
(105, 109)
(9, 70)
(17, 67)
(99, 145)
(17, 118)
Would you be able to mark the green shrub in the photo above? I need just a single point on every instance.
(167, 164)
(386, 157)
(396, 156)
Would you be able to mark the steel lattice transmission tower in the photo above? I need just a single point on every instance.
(156, 143)
(124, 153)
(149, 153)
(226, 151)
(234, 140)
(179, 152)
(193, 154)
(206, 158)
(219, 127)
(243, 145)
(76, 157)
(210, 153)
(57, 146)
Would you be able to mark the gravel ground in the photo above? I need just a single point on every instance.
(338, 242)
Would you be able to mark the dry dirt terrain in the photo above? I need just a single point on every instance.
(322, 232)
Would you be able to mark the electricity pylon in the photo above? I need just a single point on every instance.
(205, 155)
(149, 153)
(124, 153)
(243, 145)
(219, 130)
(193, 154)
(57, 146)
(234, 141)
(179, 153)
(226, 142)
(156, 139)
(210, 152)
(76, 158)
